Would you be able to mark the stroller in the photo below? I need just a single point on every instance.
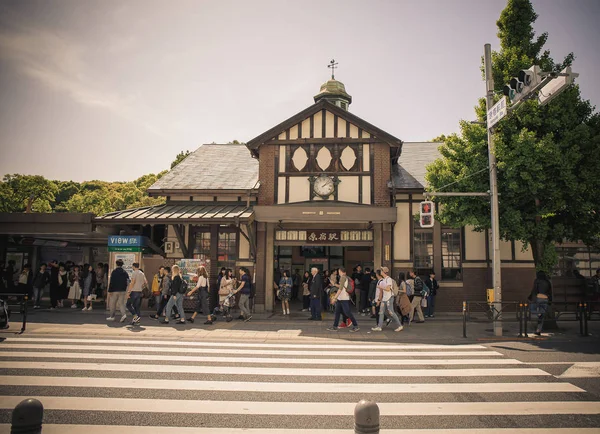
(224, 308)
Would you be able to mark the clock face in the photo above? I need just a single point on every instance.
(323, 186)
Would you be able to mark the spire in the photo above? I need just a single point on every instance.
(334, 91)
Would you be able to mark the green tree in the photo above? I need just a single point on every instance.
(26, 193)
(66, 190)
(179, 158)
(547, 156)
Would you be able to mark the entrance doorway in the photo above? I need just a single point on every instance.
(325, 258)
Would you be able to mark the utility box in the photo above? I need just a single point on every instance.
(490, 295)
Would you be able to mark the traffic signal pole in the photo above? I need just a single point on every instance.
(496, 263)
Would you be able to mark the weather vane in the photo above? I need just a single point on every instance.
(333, 64)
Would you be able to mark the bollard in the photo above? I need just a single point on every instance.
(366, 417)
(585, 320)
(520, 318)
(27, 417)
(464, 319)
(581, 315)
(526, 316)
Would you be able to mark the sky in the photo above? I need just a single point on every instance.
(113, 90)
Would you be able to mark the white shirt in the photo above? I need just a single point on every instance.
(343, 294)
(385, 283)
(138, 279)
(201, 282)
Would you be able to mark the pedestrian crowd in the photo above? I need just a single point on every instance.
(374, 293)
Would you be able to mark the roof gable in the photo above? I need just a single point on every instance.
(318, 107)
(211, 167)
(412, 165)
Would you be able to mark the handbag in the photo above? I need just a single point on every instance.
(91, 297)
(423, 302)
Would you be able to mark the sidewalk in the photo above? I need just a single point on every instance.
(445, 328)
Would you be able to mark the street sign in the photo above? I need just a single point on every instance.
(497, 112)
(124, 240)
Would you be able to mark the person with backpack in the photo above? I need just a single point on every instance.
(178, 290)
(373, 293)
(342, 303)
(389, 290)
(357, 279)
(165, 290)
(420, 291)
(245, 288)
(156, 286)
(541, 295)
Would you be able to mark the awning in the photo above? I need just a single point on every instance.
(177, 214)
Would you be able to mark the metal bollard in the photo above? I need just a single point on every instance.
(464, 319)
(27, 417)
(526, 316)
(366, 417)
(581, 315)
(585, 320)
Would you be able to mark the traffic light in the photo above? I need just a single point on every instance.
(520, 86)
(426, 214)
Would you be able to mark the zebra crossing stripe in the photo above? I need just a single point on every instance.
(264, 360)
(264, 352)
(119, 429)
(307, 408)
(358, 345)
(267, 387)
(273, 371)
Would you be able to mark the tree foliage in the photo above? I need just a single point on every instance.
(179, 158)
(547, 156)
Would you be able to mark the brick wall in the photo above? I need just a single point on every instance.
(516, 286)
(381, 174)
(266, 175)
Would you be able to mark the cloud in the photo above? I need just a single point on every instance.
(56, 60)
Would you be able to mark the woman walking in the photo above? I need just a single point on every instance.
(403, 301)
(63, 288)
(89, 283)
(202, 290)
(386, 301)
(541, 294)
(226, 289)
(177, 293)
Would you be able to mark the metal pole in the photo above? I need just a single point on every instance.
(464, 319)
(520, 318)
(585, 320)
(580, 312)
(496, 264)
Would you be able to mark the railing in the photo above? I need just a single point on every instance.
(583, 312)
(22, 305)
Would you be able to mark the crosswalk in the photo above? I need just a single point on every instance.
(96, 385)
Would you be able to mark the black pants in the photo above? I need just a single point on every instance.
(364, 300)
(54, 295)
(305, 301)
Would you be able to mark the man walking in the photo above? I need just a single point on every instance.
(357, 278)
(165, 291)
(134, 292)
(119, 279)
(433, 286)
(419, 292)
(245, 289)
(54, 285)
(364, 292)
(386, 301)
(316, 288)
(342, 303)
(40, 281)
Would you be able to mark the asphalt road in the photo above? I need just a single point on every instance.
(94, 377)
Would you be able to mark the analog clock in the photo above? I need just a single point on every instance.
(323, 186)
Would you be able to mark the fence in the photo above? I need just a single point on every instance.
(582, 311)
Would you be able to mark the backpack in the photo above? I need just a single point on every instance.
(409, 289)
(155, 285)
(184, 286)
(395, 288)
(350, 288)
(426, 291)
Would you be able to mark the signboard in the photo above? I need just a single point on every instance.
(124, 240)
(128, 260)
(497, 112)
(125, 243)
(189, 267)
(322, 236)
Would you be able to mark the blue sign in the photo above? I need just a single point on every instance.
(124, 241)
